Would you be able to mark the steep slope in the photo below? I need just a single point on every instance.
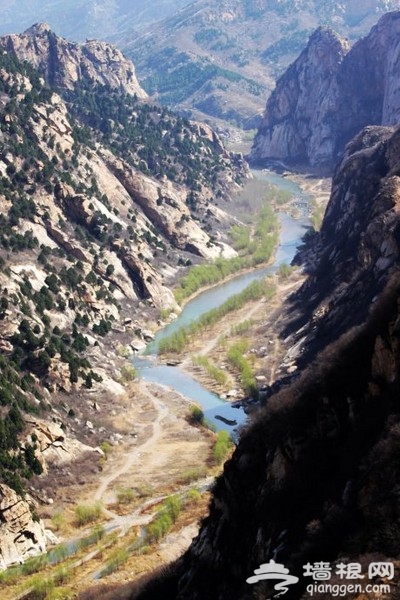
(103, 198)
(329, 94)
(221, 59)
(314, 478)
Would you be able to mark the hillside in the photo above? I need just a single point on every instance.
(104, 199)
(329, 94)
(223, 58)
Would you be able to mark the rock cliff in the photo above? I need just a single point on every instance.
(329, 94)
(21, 536)
(65, 63)
(313, 476)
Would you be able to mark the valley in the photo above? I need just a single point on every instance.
(156, 453)
(199, 342)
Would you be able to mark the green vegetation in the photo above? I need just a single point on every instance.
(149, 137)
(164, 519)
(128, 373)
(317, 214)
(192, 475)
(124, 495)
(236, 358)
(116, 560)
(212, 371)
(180, 340)
(241, 328)
(196, 415)
(222, 446)
(254, 248)
(88, 513)
(184, 76)
(285, 270)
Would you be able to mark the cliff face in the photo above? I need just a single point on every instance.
(358, 246)
(21, 536)
(65, 63)
(312, 478)
(329, 94)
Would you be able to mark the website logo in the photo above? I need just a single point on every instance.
(273, 570)
(349, 578)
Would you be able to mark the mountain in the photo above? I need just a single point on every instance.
(220, 59)
(315, 476)
(65, 63)
(329, 94)
(104, 198)
(210, 60)
(81, 19)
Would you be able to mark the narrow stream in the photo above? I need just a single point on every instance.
(173, 377)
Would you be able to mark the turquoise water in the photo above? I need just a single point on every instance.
(150, 370)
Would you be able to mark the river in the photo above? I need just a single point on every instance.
(291, 232)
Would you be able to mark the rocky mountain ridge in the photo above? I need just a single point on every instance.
(329, 94)
(220, 61)
(64, 63)
(313, 476)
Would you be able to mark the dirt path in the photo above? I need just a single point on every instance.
(133, 455)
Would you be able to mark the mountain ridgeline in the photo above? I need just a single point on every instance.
(104, 198)
(329, 94)
(223, 58)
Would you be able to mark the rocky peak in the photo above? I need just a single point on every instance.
(329, 94)
(38, 29)
(65, 63)
(300, 118)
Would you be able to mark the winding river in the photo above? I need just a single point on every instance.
(151, 370)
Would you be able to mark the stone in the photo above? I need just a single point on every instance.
(21, 537)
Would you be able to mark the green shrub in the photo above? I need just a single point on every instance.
(196, 414)
(88, 513)
(222, 446)
(124, 495)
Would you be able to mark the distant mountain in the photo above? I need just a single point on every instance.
(329, 94)
(207, 59)
(221, 59)
(81, 19)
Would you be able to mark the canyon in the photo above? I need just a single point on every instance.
(99, 221)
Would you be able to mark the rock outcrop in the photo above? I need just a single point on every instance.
(65, 63)
(358, 247)
(329, 94)
(21, 536)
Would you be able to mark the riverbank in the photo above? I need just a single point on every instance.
(266, 351)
